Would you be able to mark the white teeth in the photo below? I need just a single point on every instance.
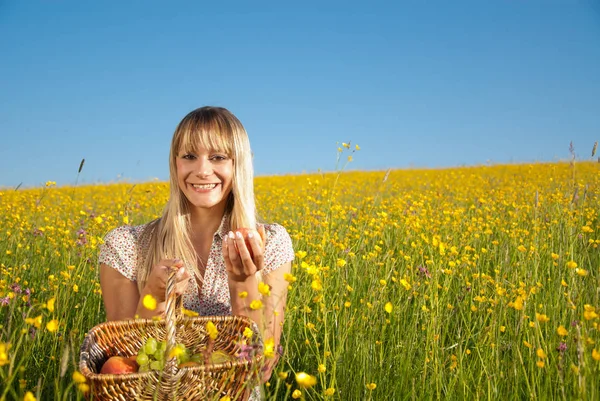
(205, 186)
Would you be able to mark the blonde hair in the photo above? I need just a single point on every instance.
(168, 237)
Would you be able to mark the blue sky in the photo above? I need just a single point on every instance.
(414, 83)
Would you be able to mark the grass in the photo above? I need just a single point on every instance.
(481, 265)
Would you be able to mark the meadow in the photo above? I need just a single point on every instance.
(460, 283)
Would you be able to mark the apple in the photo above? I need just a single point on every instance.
(244, 231)
(117, 365)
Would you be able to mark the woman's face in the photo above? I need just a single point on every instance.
(205, 177)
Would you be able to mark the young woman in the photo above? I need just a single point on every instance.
(211, 196)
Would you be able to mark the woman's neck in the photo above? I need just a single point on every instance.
(205, 222)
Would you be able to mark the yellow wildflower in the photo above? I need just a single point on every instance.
(78, 377)
(321, 368)
(256, 304)
(248, 333)
(149, 302)
(29, 396)
(264, 289)
(269, 348)
(243, 294)
(50, 304)
(561, 331)
(52, 325)
(330, 391)
(211, 329)
(388, 307)
(305, 380)
(296, 394)
(371, 386)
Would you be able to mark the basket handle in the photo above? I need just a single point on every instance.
(170, 318)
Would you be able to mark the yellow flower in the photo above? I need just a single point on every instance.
(340, 263)
(50, 304)
(581, 272)
(269, 348)
(405, 284)
(561, 331)
(211, 329)
(388, 307)
(282, 375)
(301, 254)
(540, 353)
(190, 313)
(502, 329)
(52, 325)
(595, 355)
(540, 364)
(371, 386)
(264, 289)
(29, 396)
(571, 264)
(243, 294)
(75, 288)
(554, 256)
(541, 318)
(589, 312)
(296, 394)
(344, 144)
(382, 282)
(290, 278)
(525, 343)
(78, 377)
(83, 387)
(256, 304)
(35, 321)
(149, 302)
(322, 368)
(356, 147)
(248, 333)
(330, 391)
(4, 354)
(316, 285)
(179, 350)
(225, 398)
(305, 380)
(347, 304)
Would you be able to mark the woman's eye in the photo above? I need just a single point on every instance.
(188, 156)
(219, 157)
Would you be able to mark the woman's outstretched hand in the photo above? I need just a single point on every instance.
(157, 280)
(239, 262)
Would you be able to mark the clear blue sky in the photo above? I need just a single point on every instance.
(414, 83)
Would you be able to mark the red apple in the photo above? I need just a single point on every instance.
(244, 231)
(117, 365)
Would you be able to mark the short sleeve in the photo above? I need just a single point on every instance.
(119, 251)
(278, 248)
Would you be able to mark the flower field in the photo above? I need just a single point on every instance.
(463, 283)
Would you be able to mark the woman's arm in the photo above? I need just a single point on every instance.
(121, 296)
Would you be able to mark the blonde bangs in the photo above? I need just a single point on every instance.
(210, 132)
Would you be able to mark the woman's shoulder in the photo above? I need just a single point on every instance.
(125, 234)
(278, 247)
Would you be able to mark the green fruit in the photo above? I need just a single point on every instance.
(151, 345)
(141, 359)
(156, 365)
(219, 357)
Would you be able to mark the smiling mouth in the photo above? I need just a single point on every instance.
(204, 186)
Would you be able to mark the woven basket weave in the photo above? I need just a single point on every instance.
(206, 382)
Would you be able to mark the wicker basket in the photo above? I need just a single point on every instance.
(206, 382)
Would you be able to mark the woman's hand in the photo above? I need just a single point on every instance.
(157, 280)
(239, 263)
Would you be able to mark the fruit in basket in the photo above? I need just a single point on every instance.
(244, 231)
(220, 357)
(117, 365)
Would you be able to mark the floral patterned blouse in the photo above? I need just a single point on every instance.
(121, 247)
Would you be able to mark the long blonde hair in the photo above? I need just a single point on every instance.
(168, 237)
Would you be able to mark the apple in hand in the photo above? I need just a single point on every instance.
(117, 365)
(244, 231)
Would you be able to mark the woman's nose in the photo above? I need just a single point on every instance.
(204, 167)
